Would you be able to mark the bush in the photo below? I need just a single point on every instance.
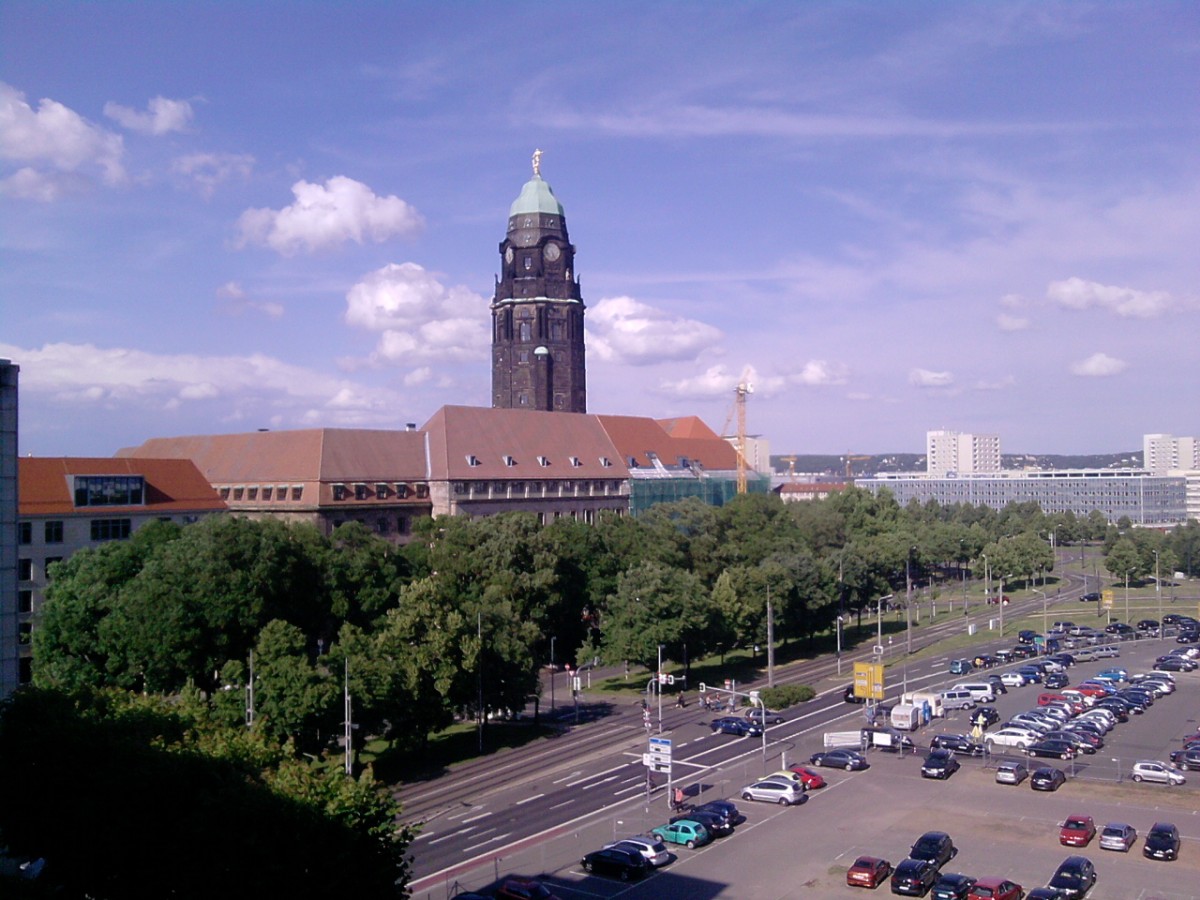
(786, 695)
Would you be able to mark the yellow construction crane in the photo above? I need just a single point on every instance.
(740, 393)
(791, 461)
(850, 463)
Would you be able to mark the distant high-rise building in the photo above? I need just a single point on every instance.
(1166, 453)
(537, 311)
(10, 648)
(956, 453)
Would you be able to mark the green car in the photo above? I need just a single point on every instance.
(686, 831)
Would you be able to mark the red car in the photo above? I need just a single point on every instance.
(1077, 831)
(996, 889)
(868, 872)
(525, 889)
(808, 777)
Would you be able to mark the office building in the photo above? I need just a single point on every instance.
(956, 453)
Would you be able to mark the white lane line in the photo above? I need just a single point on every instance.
(493, 840)
(529, 799)
(474, 818)
(588, 787)
(565, 777)
(564, 803)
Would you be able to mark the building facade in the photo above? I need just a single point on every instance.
(70, 504)
(537, 309)
(953, 452)
(1148, 500)
(1162, 453)
(10, 648)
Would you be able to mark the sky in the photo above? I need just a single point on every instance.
(886, 217)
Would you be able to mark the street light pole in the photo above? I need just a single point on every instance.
(1158, 593)
(1045, 619)
(908, 601)
(551, 673)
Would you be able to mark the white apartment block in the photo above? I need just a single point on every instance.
(1165, 453)
(956, 453)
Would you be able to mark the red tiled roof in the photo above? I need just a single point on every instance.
(46, 488)
(637, 437)
(688, 427)
(306, 455)
(457, 433)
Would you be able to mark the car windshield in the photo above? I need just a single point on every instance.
(1076, 823)
(1069, 878)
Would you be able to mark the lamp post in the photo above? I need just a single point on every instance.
(1158, 594)
(1127, 596)
(552, 639)
(908, 600)
(839, 644)
(1045, 614)
(987, 582)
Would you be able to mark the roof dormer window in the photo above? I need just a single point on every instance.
(473, 460)
(509, 461)
(576, 462)
(543, 461)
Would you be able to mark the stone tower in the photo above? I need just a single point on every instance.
(537, 310)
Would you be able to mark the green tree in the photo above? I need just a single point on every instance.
(1123, 561)
(293, 698)
(655, 605)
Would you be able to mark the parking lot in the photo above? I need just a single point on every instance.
(1003, 831)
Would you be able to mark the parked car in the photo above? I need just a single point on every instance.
(1155, 771)
(914, 877)
(868, 872)
(735, 725)
(850, 697)
(1077, 831)
(850, 760)
(996, 889)
(1026, 636)
(1117, 836)
(652, 849)
(775, 790)
(727, 808)
(1053, 749)
(940, 764)
(1012, 679)
(1174, 664)
(1011, 737)
(1047, 778)
(1074, 877)
(623, 864)
(952, 886)
(686, 832)
(1011, 773)
(985, 716)
(959, 743)
(810, 779)
(1162, 841)
(524, 889)
(1186, 759)
(717, 824)
(1045, 893)
(935, 846)
(960, 666)
(1056, 680)
(998, 685)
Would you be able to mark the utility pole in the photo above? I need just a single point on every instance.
(349, 725)
(250, 695)
(770, 643)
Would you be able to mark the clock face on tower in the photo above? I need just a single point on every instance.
(508, 255)
(552, 252)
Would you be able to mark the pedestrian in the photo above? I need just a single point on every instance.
(680, 701)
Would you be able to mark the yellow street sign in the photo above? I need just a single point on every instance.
(1106, 599)
(868, 680)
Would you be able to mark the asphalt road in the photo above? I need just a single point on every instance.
(540, 817)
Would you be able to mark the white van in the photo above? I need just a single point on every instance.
(958, 699)
(982, 691)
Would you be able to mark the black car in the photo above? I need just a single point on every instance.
(959, 743)
(1047, 778)
(1045, 894)
(1115, 705)
(1075, 876)
(914, 877)
(998, 686)
(1082, 741)
(1118, 628)
(934, 846)
(623, 864)
(850, 760)
(952, 886)
(734, 725)
(1057, 680)
(1025, 636)
(985, 715)
(1185, 759)
(716, 823)
(1063, 659)
(1090, 597)
(1024, 651)
(849, 696)
(724, 808)
(1173, 664)
(1162, 842)
(1053, 749)
(1150, 625)
(939, 764)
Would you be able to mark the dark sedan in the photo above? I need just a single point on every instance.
(1047, 778)
(1162, 842)
(850, 760)
(621, 864)
(1051, 749)
(717, 824)
(959, 743)
(952, 886)
(734, 725)
(914, 877)
(1185, 759)
(1074, 877)
(1174, 664)
(939, 764)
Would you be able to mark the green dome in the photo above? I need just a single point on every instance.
(536, 197)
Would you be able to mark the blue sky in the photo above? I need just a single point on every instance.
(888, 217)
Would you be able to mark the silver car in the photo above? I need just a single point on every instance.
(1117, 836)
(775, 790)
(1153, 770)
(1011, 773)
(651, 848)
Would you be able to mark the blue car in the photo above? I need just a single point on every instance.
(1030, 674)
(735, 725)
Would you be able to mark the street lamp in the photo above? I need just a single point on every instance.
(839, 644)
(1158, 594)
(552, 639)
(1045, 620)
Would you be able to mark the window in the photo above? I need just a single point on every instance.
(523, 357)
(24, 601)
(111, 529)
(224, 492)
(472, 460)
(509, 461)
(460, 487)
(422, 491)
(238, 492)
(252, 493)
(525, 331)
(267, 492)
(360, 492)
(401, 490)
(25, 533)
(402, 524)
(605, 461)
(25, 632)
(382, 526)
(499, 488)
(109, 490)
(24, 570)
(339, 492)
(297, 491)
(556, 330)
(543, 461)
(381, 491)
(528, 262)
(522, 399)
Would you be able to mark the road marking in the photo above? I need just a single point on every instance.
(565, 777)
(529, 799)
(588, 787)
(474, 818)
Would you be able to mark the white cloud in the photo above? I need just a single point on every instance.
(923, 378)
(1005, 382)
(718, 381)
(1075, 293)
(73, 374)
(55, 135)
(1005, 322)
(1098, 365)
(819, 371)
(624, 330)
(44, 187)
(207, 170)
(238, 303)
(327, 215)
(162, 116)
(418, 317)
